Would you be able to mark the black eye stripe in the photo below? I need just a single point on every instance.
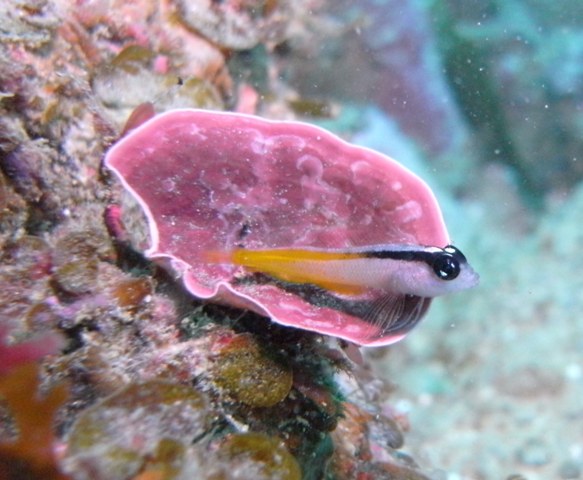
(445, 262)
(456, 253)
(407, 255)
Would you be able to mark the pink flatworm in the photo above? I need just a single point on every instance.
(210, 181)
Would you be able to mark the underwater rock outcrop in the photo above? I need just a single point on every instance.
(134, 342)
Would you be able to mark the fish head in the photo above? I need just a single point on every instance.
(442, 271)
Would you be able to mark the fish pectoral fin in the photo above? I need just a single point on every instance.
(397, 312)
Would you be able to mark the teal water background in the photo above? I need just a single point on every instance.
(493, 378)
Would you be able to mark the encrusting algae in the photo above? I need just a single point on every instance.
(244, 373)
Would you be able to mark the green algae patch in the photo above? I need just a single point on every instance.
(266, 455)
(120, 435)
(247, 374)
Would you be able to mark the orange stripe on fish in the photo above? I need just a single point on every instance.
(294, 265)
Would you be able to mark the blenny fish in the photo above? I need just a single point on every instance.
(400, 269)
(403, 278)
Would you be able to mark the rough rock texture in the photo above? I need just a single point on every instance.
(137, 349)
(384, 52)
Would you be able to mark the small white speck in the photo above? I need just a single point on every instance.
(454, 476)
(425, 399)
(573, 371)
(576, 451)
(403, 405)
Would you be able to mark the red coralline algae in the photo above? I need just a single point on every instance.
(210, 181)
(32, 453)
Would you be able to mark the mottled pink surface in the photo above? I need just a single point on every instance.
(214, 181)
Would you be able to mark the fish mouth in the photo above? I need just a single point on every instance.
(473, 278)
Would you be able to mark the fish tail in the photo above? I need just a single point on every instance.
(238, 256)
(251, 258)
(218, 256)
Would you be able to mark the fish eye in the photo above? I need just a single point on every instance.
(445, 266)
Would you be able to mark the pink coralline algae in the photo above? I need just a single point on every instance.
(210, 181)
(14, 355)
